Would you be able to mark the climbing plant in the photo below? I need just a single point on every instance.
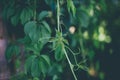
(53, 35)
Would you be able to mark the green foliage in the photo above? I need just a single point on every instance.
(12, 51)
(71, 7)
(49, 40)
(43, 14)
(58, 45)
(15, 20)
(26, 15)
(32, 31)
(37, 65)
(37, 31)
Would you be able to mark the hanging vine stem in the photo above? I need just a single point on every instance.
(70, 64)
(74, 54)
(58, 26)
(34, 13)
(58, 15)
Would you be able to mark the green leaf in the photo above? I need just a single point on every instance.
(29, 26)
(43, 14)
(12, 51)
(10, 12)
(34, 34)
(26, 15)
(68, 6)
(59, 54)
(35, 47)
(35, 69)
(35, 65)
(46, 58)
(83, 67)
(44, 63)
(55, 68)
(46, 26)
(15, 20)
(8, 53)
(65, 41)
(28, 63)
(58, 45)
(31, 30)
(16, 50)
(38, 32)
(45, 33)
(71, 7)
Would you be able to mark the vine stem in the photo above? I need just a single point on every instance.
(58, 15)
(58, 26)
(73, 54)
(71, 66)
(34, 17)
